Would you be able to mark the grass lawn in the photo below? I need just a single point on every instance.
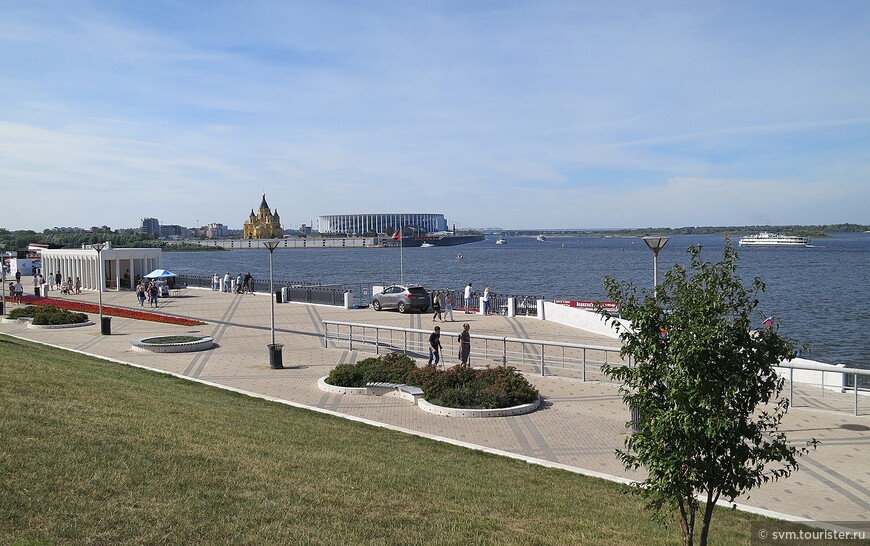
(93, 452)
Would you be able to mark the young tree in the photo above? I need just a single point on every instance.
(703, 389)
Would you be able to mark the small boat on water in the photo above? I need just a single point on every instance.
(774, 240)
(426, 245)
(541, 238)
(501, 241)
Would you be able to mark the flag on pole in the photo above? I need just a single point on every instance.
(397, 236)
(768, 321)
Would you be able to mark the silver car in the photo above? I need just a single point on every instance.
(403, 298)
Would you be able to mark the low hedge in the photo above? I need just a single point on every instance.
(390, 368)
(457, 387)
(48, 315)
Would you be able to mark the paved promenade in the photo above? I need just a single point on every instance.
(578, 428)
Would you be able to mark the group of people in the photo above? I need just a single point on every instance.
(464, 341)
(442, 299)
(149, 290)
(56, 281)
(244, 284)
(485, 300)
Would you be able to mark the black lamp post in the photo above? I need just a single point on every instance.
(275, 357)
(656, 244)
(105, 322)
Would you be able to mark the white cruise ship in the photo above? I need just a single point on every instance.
(772, 239)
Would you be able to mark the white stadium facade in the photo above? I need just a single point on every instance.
(379, 223)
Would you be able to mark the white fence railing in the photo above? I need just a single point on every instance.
(807, 380)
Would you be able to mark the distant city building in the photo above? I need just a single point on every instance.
(304, 231)
(174, 231)
(216, 231)
(264, 224)
(362, 224)
(150, 226)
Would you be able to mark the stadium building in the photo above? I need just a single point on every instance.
(365, 224)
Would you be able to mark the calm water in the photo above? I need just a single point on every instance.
(820, 294)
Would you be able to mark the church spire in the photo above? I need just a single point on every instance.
(263, 204)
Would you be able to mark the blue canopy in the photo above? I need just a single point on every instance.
(160, 274)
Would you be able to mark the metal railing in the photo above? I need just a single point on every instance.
(543, 357)
(572, 360)
(314, 294)
(825, 395)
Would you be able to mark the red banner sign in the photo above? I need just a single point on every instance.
(584, 304)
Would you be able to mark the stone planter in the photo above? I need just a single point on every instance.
(201, 344)
(426, 406)
(57, 326)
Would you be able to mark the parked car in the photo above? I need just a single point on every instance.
(403, 298)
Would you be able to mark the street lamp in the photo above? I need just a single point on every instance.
(655, 244)
(105, 322)
(274, 348)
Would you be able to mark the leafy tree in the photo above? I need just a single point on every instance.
(706, 398)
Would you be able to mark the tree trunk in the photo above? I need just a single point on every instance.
(708, 515)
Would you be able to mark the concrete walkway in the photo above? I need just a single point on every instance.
(578, 428)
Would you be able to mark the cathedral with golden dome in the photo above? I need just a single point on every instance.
(263, 224)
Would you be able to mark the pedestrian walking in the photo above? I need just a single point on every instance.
(435, 346)
(436, 305)
(465, 345)
(227, 282)
(36, 285)
(215, 282)
(448, 305)
(153, 294)
(78, 285)
(140, 294)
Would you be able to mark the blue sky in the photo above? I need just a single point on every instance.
(544, 114)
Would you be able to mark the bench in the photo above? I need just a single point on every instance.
(401, 390)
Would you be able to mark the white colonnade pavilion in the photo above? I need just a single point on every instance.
(120, 266)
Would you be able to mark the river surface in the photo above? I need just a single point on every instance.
(820, 295)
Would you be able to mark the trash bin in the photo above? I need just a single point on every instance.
(44, 288)
(278, 296)
(285, 294)
(275, 357)
(2, 307)
(106, 326)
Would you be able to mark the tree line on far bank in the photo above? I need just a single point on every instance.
(20, 239)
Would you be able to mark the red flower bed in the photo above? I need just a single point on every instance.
(114, 311)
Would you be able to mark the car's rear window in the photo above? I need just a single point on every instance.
(417, 291)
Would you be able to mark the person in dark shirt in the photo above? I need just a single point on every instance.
(435, 346)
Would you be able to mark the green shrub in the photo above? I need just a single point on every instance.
(389, 368)
(346, 375)
(49, 314)
(461, 387)
(29, 311)
(457, 387)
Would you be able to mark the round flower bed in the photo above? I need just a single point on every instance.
(173, 344)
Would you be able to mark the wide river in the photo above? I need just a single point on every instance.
(819, 295)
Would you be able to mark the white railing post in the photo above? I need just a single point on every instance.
(542, 359)
(504, 353)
